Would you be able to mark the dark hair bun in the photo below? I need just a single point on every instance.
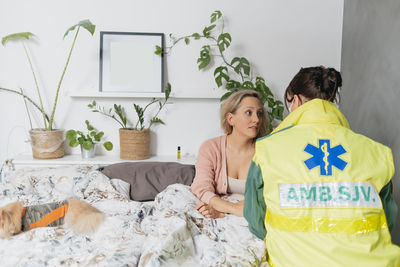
(331, 81)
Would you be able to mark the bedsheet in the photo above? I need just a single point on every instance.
(168, 231)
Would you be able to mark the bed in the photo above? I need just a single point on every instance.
(167, 231)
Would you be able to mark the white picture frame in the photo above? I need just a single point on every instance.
(128, 62)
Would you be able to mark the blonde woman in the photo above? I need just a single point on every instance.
(223, 162)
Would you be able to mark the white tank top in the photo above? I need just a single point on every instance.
(236, 186)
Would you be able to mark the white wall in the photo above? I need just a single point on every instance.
(278, 37)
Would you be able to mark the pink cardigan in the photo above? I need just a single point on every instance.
(211, 177)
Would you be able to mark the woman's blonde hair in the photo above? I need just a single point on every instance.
(232, 103)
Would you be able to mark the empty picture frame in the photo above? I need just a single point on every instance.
(128, 62)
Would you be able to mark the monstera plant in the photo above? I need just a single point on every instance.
(232, 74)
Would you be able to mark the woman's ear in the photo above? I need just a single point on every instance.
(230, 119)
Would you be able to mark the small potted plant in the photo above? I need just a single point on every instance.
(135, 140)
(87, 140)
(46, 141)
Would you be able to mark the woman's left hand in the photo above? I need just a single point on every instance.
(208, 211)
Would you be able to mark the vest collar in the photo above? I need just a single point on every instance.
(315, 111)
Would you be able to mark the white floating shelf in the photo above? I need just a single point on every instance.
(26, 160)
(195, 95)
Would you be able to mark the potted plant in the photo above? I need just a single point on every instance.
(46, 141)
(87, 140)
(234, 74)
(135, 140)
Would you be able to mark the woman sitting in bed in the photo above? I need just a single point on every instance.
(223, 162)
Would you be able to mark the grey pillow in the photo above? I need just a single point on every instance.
(147, 179)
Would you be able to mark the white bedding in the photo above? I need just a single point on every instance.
(168, 231)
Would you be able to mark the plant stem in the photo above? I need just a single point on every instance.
(112, 117)
(61, 79)
(28, 98)
(27, 111)
(159, 109)
(37, 85)
(152, 102)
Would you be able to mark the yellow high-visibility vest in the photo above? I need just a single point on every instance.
(321, 189)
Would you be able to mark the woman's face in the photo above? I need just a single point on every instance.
(247, 118)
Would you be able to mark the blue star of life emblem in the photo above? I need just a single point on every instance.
(325, 157)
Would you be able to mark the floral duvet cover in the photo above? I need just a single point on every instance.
(168, 231)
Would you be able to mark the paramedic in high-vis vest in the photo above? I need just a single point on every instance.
(317, 192)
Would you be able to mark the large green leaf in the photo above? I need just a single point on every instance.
(248, 85)
(215, 15)
(220, 73)
(224, 41)
(205, 57)
(86, 24)
(241, 64)
(17, 37)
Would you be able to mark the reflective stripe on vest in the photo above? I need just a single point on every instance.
(326, 224)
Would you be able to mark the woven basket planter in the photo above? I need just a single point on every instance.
(134, 144)
(47, 144)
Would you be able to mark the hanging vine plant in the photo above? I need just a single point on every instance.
(233, 75)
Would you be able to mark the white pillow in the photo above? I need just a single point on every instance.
(122, 187)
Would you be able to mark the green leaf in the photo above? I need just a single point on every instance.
(81, 140)
(248, 85)
(241, 64)
(204, 58)
(226, 95)
(17, 37)
(187, 41)
(207, 30)
(71, 135)
(167, 91)
(108, 146)
(86, 24)
(120, 113)
(232, 85)
(73, 143)
(271, 102)
(196, 36)
(87, 145)
(92, 105)
(156, 120)
(158, 50)
(88, 126)
(221, 73)
(215, 15)
(224, 41)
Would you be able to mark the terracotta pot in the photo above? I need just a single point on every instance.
(134, 144)
(47, 144)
